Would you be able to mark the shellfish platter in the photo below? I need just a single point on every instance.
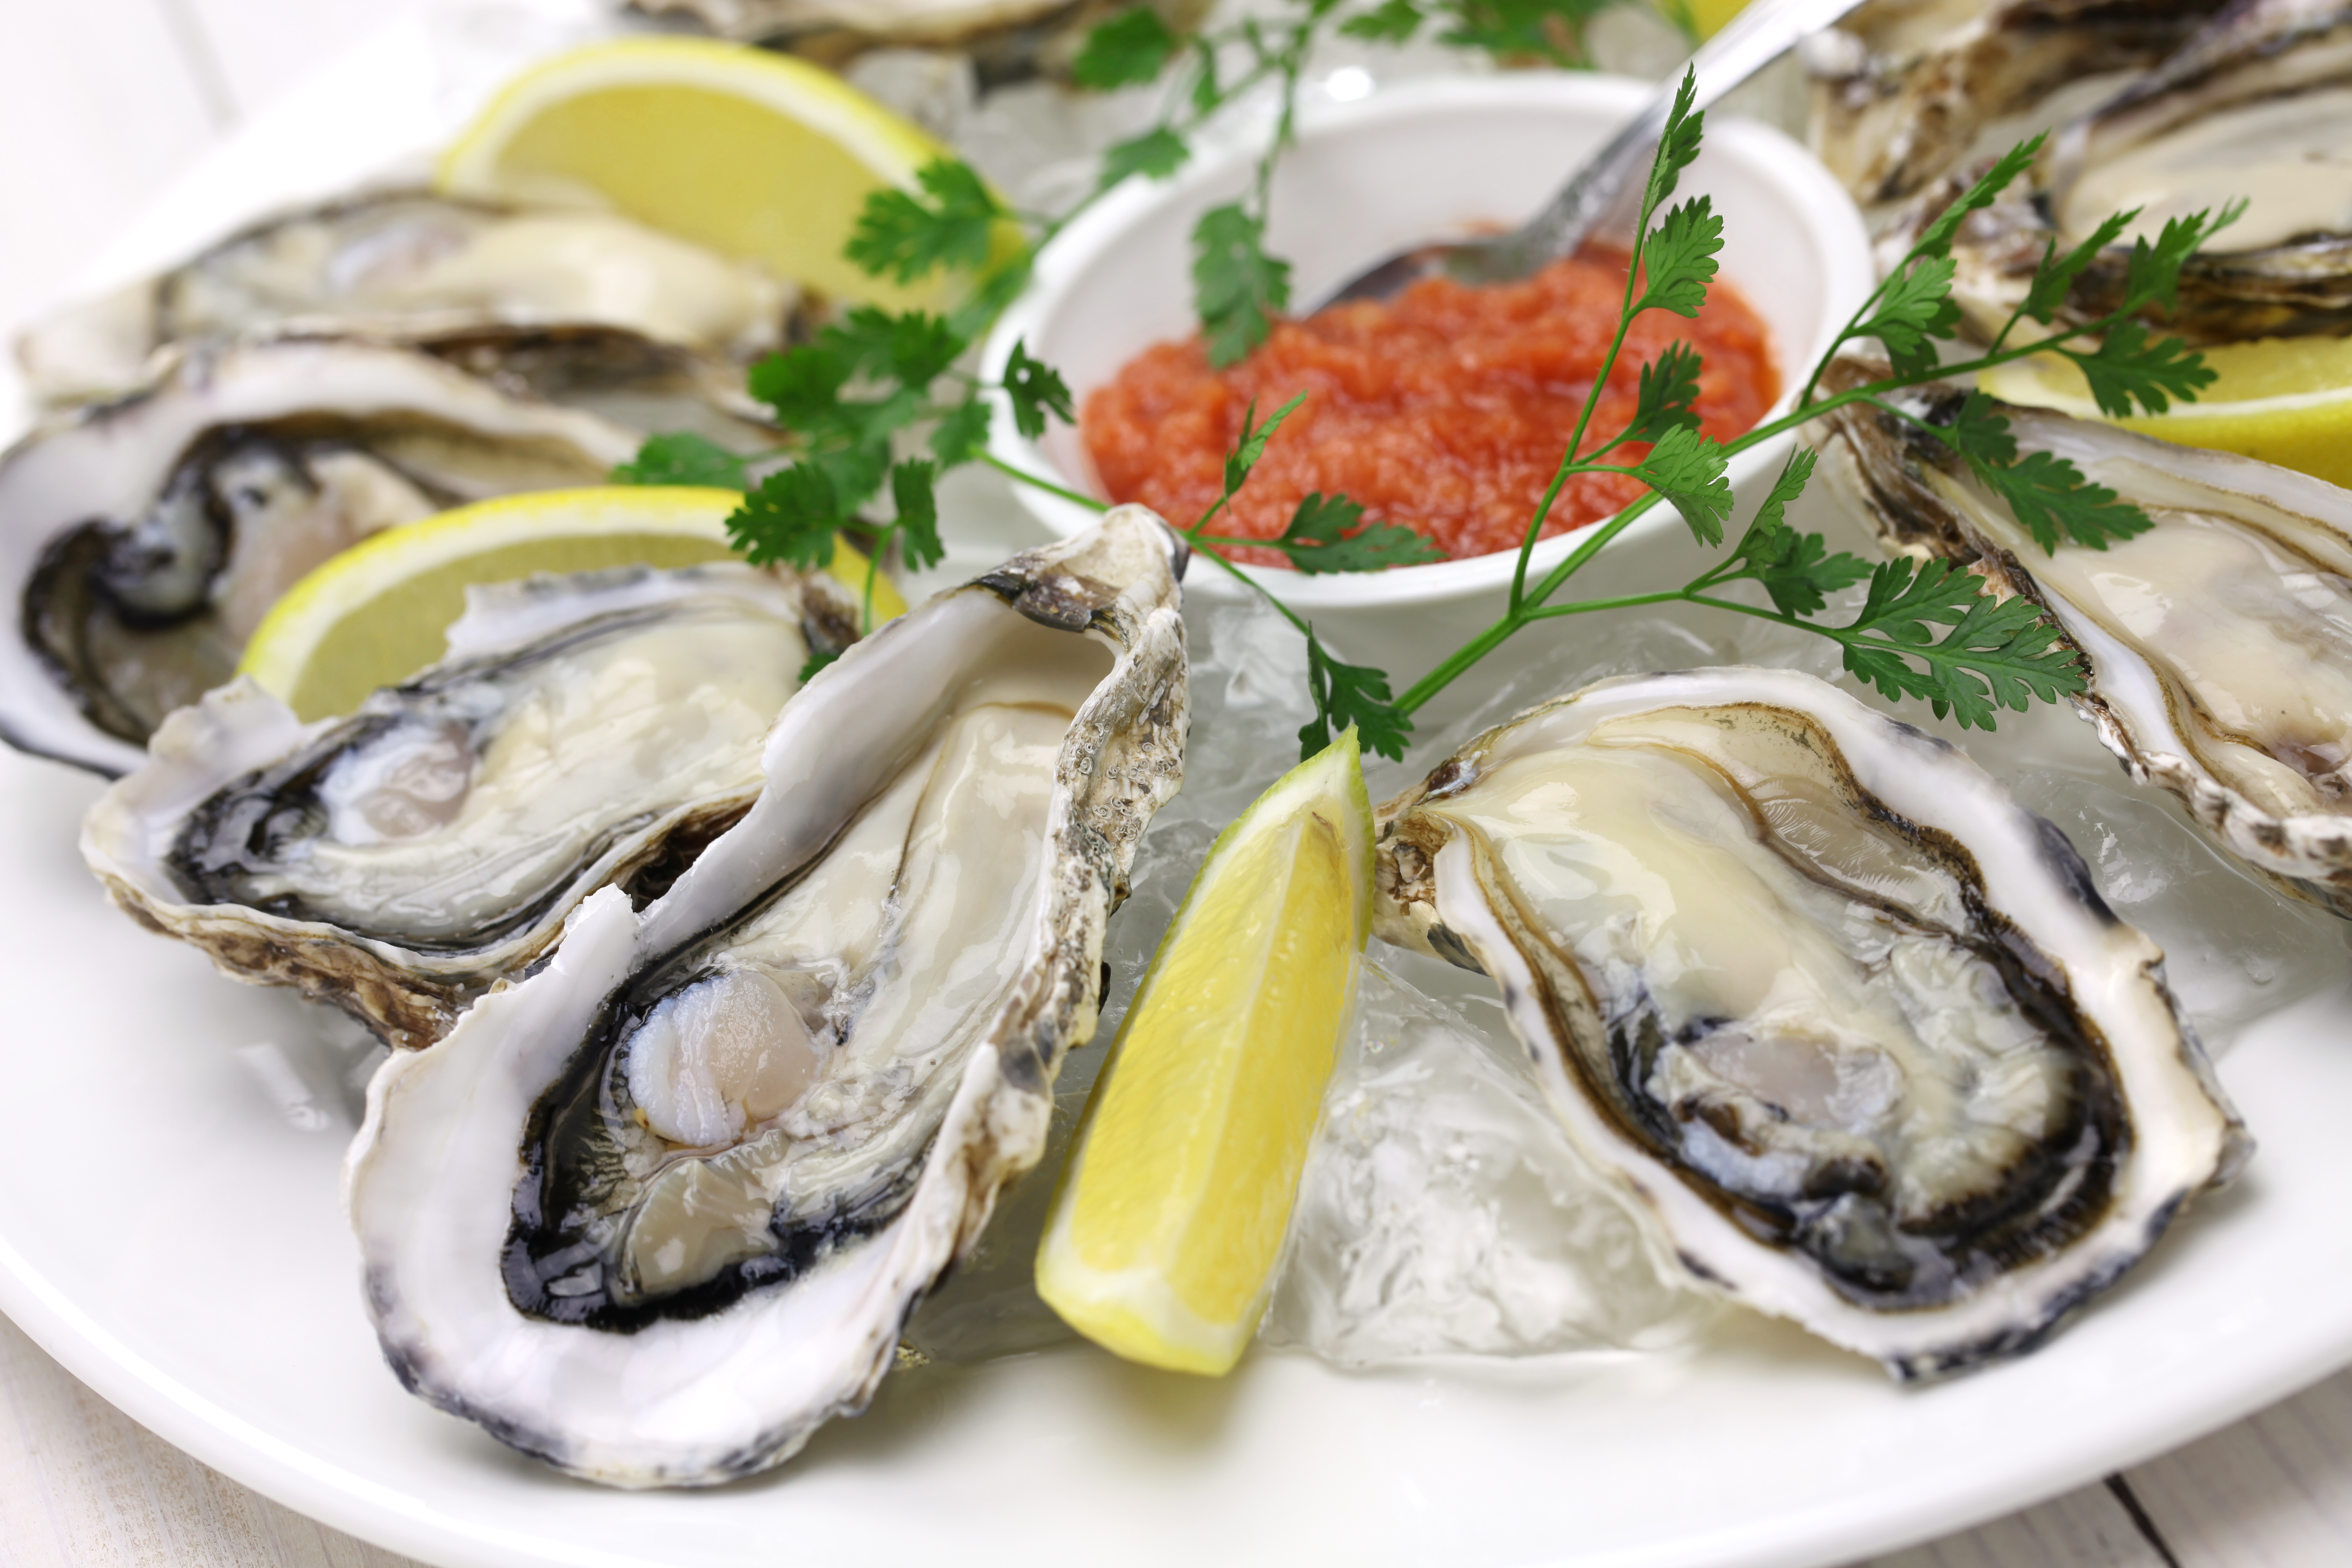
(172, 1227)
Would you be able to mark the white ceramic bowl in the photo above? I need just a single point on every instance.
(1425, 159)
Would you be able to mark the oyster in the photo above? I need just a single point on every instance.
(397, 862)
(1902, 88)
(2218, 644)
(142, 542)
(657, 1211)
(413, 267)
(2257, 105)
(1007, 41)
(1853, 1028)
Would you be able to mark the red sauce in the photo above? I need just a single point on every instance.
(1446, 408)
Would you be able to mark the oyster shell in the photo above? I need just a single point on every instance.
(142, 542)
(1902, 88)
(584, 730)
(657, 1211)
(2218, 644)
(1852, 1027)
(2256, 105)
(409, 265)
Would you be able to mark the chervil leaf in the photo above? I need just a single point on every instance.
(1913, 309)
(2048, 495)
(1686, 467)
(1036, 390)
(872, 421)
(2128, 374)
(861, 339)
(1251, 447)
(2152, 276)
(1677, 145)
(2056, 273)
(1794, 569)
(1669, 386)
(1236, 284)
(681, 458)
(1392, 22)
(1937, 240)
(922, 346)
(855, 471)
(802, 385)
(1347, 694)
(1678, 258)
(1322, 520)
(917, 521)
(901, 237)
(1129, 50)
(962, 435)
(792, 515)
(1155, 154)
(1998, 654)
(1318, 539)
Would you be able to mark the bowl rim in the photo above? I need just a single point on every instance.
(1766, 156)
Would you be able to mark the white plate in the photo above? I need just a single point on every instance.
(170, 1230)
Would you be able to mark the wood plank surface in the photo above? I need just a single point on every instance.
(82, 1486)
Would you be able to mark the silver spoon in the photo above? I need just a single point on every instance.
(1753, 39)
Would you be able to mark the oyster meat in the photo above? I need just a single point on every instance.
(658, 1210)
(2218, 644)
(584, 730)
(413, 267)
(2256, 106)
(1902, 88)
(143, 541)
(1852, 1028)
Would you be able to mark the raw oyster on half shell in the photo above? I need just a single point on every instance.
(1902, 88)
(409, 266)
(1853, 1028)
(2257, 106)
(142, 542)
(2217, 644)
(582, 730)
(657, 1211)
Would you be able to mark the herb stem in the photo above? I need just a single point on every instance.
(1024, 477)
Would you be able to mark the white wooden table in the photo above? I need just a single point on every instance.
(102, 103)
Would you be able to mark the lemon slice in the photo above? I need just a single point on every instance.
(749, 152)
(2284, 400)
(1170, 1215)
(375, 615)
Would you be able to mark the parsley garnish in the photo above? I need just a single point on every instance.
(876, 388)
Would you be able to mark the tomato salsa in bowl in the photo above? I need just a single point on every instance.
(1444, 410)
(1413, 162)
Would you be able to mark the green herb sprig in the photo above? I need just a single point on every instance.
(857, 403)
(1924, 631)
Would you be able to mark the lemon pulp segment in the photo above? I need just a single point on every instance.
(749, 152)
(376, 614)
(1173, 1207)
(2282, 400)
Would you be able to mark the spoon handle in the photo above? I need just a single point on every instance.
(1753, 39)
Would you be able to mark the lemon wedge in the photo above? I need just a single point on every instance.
(752, 153)
(1170, 1217)
(375, 615)
(2284, 400)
